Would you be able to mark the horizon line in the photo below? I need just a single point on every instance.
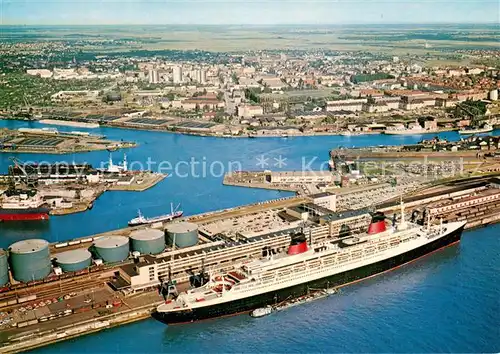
(250, 24)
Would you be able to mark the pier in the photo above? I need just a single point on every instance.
(67, 188)
(51, 141)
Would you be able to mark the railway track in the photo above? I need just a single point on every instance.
(54, 291)
(81, 282)
(64, 289)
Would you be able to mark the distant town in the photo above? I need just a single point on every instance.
(252, 93)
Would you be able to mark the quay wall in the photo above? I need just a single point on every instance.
(38, 339)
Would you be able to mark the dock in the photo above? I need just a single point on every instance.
(106, 295)
(51, 141)
(141, 182)
(474, 148)
(72, 188)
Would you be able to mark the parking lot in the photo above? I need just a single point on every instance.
(48, 309)
(249, 225)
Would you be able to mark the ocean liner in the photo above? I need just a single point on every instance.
(338, 262)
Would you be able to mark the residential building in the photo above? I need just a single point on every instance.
(43, 73)
(177, 75)
(153, 76)
(325, 200)
(248, 111)
(353, 105)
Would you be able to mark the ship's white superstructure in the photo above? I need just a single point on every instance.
(21, 201)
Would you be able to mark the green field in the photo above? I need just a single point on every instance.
(391, 38)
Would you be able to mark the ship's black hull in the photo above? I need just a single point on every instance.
(270, 298)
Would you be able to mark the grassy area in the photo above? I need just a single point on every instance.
(391, 39)
(18, 90)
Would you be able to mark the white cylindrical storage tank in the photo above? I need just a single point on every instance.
(148, 241)
(494, 95)
(4, 268)
(74, 260)
(30, 260)
(184, 233)
(111, 248)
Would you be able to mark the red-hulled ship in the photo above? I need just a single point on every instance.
(21, 207)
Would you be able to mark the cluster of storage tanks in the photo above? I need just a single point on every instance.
(30, 260)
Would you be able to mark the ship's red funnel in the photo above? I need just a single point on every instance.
(377, 224)
(298, 244)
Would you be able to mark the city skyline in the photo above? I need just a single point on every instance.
(237, 12)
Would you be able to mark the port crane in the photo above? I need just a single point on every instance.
(476, 117)
(29, 173)
(168, 288)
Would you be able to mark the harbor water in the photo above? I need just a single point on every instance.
(446, 302)
(196, 166)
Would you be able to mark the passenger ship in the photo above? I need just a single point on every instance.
(335, 263)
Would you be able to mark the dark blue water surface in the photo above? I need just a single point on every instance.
(198, 189)
(447, 302)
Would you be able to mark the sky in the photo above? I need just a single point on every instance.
(258, 12)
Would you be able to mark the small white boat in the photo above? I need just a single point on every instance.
(262, 311)
(330, 291)
(486, 129)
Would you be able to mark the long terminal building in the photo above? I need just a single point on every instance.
(218, 256)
